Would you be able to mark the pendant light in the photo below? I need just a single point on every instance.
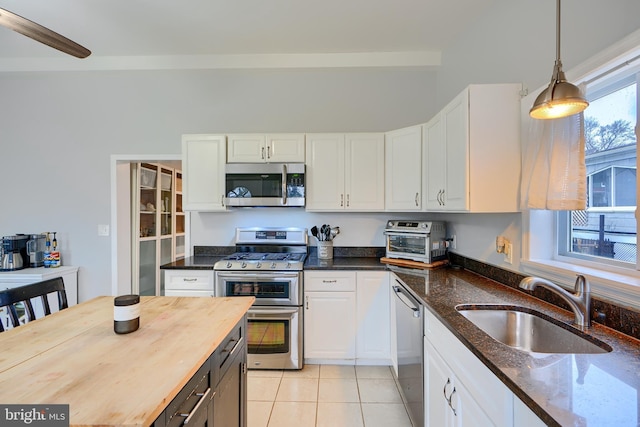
(561, 98)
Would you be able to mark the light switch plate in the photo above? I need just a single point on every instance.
(103, 229)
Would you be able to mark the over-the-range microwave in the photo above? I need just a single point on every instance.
(264, 184)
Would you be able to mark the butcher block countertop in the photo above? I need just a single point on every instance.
(74, 357)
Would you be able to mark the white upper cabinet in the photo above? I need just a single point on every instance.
(270, 148)
(472, 151)
(345, 172)
(203, 160)
(403, 173)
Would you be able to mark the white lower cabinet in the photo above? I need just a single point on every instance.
(459, 389)
(329, 316)
(373, 313)
(346, 317)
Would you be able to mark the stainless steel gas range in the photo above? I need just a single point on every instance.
(268, 265)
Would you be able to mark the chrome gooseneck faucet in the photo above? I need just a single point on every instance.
(579, 301)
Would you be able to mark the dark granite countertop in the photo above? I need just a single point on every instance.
(344, 263)
(192, 263)
(562, 389)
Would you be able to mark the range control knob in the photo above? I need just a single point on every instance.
(258, 265)
(288, 265)
(243, 265)
(273, 265)
(229, 264)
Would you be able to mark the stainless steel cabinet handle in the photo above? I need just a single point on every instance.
(194, 412)
(455, 413)
(306, 302)
(329, 281)
(268, 152)
(262, 155)
(444, 390)
(347, 200)
(342, 200)
(222, 200)
(189, 279)
(416, 199)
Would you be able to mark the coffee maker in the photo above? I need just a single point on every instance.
(14, 252)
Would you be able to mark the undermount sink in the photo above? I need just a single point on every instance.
(529, 331)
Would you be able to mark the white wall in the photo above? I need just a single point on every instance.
(58, 131)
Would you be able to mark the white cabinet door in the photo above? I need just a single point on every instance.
(246, 148)
(285, 148)
(259, 148)
(373, 341)
(324, 173)
(364, 172)
(203, 160)
(438, 387)
(455, 121)
(329, 325)
(403, 174)
(434, 159)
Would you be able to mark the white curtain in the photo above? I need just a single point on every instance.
(554, 172)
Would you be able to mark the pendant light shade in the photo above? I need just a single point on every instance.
(560, 98)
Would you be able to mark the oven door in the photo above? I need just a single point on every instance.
(274, 338)
(269, 288)
(413, 246)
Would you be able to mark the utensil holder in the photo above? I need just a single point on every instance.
(325, 249)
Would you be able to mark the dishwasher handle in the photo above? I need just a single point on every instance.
(406, 298)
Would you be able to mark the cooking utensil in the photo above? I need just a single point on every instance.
(314, 231)
(334, 232)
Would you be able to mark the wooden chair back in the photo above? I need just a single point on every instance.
(9, 298)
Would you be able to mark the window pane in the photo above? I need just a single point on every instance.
(607, 228)
(625, 181)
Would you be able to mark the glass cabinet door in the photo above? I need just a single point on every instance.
(148, 200)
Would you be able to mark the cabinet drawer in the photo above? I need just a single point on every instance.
(227, 350)
(188, 279)
(193, 400)
(330, 281)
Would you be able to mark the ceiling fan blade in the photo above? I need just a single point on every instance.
(42, 34)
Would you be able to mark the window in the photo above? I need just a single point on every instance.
(606, 231)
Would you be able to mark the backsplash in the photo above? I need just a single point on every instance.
(622, 319)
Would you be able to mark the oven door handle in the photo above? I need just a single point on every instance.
(275, 312)
(406, 233)
(284, 184)
(264, 276)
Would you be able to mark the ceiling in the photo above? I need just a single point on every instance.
(139, 28)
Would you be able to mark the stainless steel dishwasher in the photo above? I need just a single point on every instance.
(410, 334)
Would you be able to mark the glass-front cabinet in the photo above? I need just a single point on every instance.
(159, 224)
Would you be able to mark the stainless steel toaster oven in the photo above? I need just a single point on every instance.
(422, 241)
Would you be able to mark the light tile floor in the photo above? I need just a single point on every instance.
(325, 396)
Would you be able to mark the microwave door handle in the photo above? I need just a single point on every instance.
(284, 184)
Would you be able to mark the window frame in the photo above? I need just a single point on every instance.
(540, 229)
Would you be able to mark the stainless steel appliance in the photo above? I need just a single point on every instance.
(422, 241)
(13, 255)
(264, 184)
(268, 265)
(410, 335)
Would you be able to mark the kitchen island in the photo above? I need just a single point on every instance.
(74, 357)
